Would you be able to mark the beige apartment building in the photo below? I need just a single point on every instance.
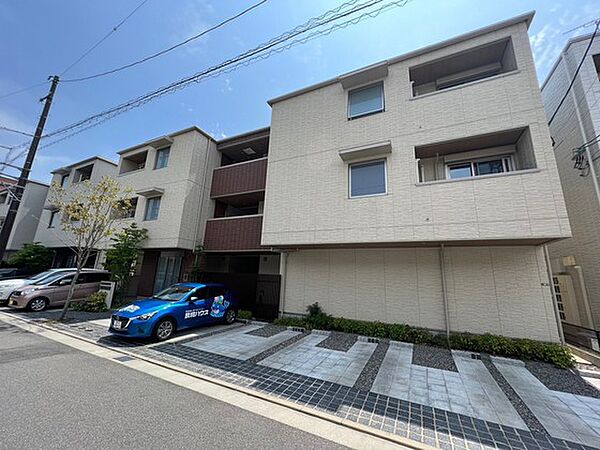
(30, 210)
(49, 232)
(421, 190)
(576, 261)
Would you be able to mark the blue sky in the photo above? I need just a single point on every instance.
(41, 38)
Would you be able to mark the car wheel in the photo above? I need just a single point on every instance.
(37, 304)
(229, 316)
(164, 330)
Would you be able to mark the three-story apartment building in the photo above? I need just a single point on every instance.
(575, 130)
(49, 232)
(421, 190)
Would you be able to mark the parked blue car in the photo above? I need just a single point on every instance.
(183, 305)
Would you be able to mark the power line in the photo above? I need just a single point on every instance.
(262, 51)
(173, 47)
(12, 130)
(106, 36)
(10, 94)
(576, 73)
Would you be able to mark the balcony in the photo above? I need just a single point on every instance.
(235, 234)
(241, 183)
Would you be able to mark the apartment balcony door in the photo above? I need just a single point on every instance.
(167, 271)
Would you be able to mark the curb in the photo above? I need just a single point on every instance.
(285, 403)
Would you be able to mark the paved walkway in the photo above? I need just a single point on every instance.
(470, 404)
(471, 391)
(305, 358)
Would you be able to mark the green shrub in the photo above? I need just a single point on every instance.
(95, 303)
(486, 343)
(243, 314)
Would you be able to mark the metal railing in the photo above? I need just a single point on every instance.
(582, 337)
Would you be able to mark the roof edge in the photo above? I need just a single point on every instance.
(83, 161)
(173, 134)
(526, 17)
(583, 37)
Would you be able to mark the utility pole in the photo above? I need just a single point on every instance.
(22, 182)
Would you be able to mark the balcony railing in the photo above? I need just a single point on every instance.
(246, 178)
(239, 233)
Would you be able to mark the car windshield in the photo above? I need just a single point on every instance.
(41, 275)
(173, 293)
(49, 278)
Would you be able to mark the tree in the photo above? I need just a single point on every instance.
(122, 257)
(88, 215)
(33, 257)
(198, 264)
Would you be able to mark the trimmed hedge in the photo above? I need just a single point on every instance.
(243, 314)
(487, 343)
(95, 303)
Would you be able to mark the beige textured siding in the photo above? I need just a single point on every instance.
(307, 182)
(569, 133)
(186, 191)
(490, 289)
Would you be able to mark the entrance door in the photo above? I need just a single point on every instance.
(167, 272)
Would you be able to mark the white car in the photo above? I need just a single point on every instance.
(7, 287)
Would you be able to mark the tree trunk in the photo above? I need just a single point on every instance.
(63, 314)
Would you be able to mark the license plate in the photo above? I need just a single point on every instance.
(116, 324)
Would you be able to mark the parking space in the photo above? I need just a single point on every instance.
(306, 358)
(453, 400)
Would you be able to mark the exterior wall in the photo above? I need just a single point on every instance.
(307, 196)
(490, 289)
(55, 237)
(568, 133)
(186, 185)
(30, 211)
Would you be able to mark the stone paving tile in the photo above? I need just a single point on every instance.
(430, 425)
(239, 343)
(563, 415)
(471, 390)
(307, 358)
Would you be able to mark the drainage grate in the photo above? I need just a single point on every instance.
(298, 329)
(476, 356)
(123, 358)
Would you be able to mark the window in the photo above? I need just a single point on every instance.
(365, 100)
(83, 173)
(367, 179)
(94, 277)
(162, 158)
(3, 198)
(63, 180)
(487, 166)
(52, 220)
(152, 208)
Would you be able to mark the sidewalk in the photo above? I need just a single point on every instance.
(450, 400)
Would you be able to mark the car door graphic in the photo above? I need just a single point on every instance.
(196, 308)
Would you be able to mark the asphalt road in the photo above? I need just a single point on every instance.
(54, 396)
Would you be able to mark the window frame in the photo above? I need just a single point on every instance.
(365, 163)
(63, 179)
(362, 88)
(53, 215)
(156, 157)
(146, 219)
(507, 164)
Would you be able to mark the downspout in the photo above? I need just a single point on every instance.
(283, 273)
(586, 300)
(202, 187)
(444, 292)
(561, 334)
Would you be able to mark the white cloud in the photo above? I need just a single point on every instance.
(191, 20)
(227, 87)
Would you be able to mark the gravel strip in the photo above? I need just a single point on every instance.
(257, 358)
(434, 357)
(522, 409)
(341, 342)
(367, 377)
(562, 380)
(267, 331)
